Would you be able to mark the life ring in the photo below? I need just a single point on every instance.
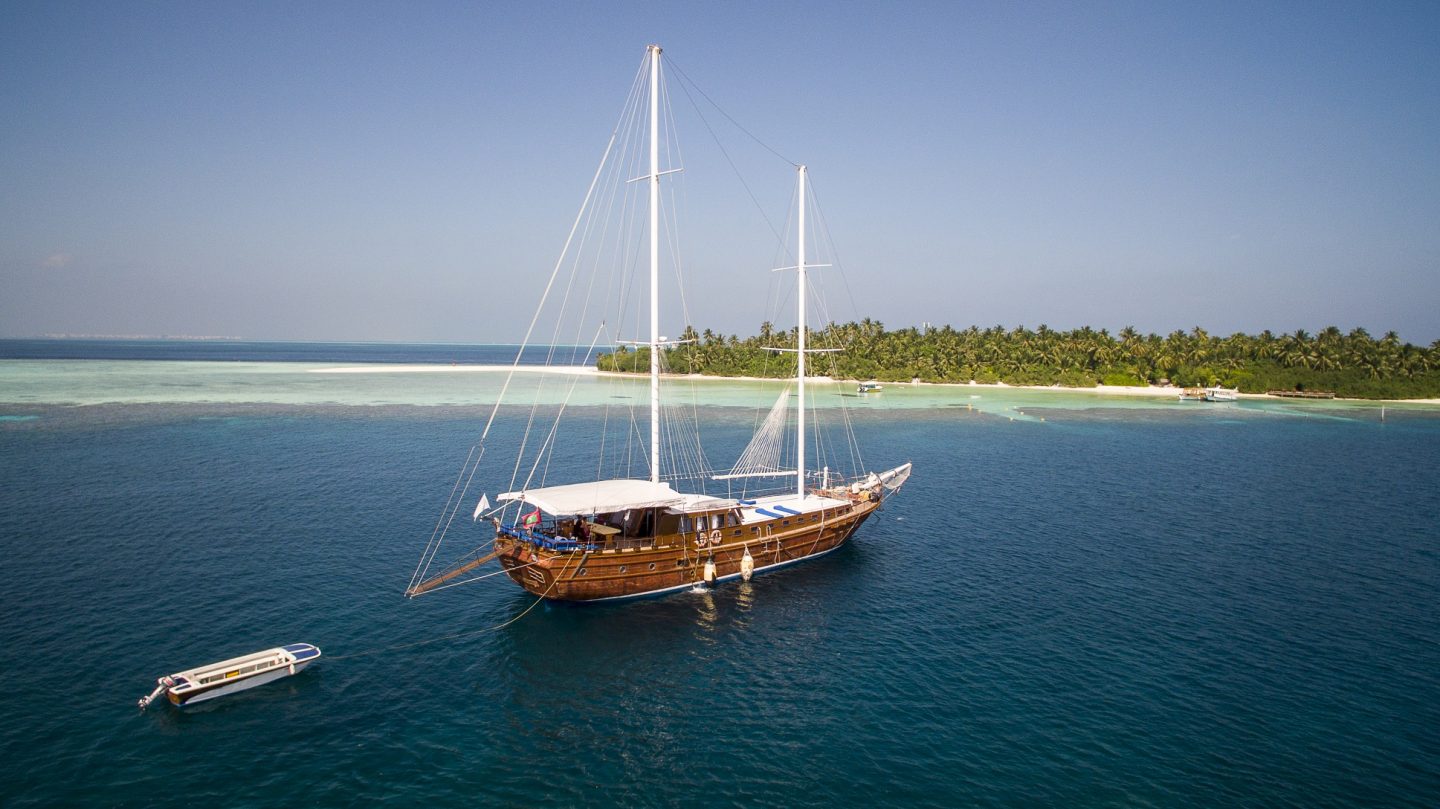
(715, 537)
(700, 540)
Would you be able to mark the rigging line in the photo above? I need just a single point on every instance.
(823, 225)
(456, 635)
(545, 447)
(724, 153)
(601, 214)
(671, 218)
(529, 331)
(436, 530)
(586, 211)
(691, 82)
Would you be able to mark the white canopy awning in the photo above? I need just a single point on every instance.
(599, 497)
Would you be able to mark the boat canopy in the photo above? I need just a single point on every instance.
(599, 497)
(691, 503)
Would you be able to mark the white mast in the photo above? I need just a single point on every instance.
(654, 263)
(800, 354)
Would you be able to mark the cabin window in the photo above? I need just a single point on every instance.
(686, 524)
(700, 523)
(784, 522)
(732, 518)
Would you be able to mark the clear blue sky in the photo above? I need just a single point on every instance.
(406, 171)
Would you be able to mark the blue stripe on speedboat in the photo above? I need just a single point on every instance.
(787, 510)
(767, 512)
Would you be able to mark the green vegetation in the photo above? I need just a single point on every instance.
(1351, 364)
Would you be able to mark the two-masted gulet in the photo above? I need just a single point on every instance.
(625, 537)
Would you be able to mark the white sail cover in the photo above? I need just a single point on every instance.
(598, 497)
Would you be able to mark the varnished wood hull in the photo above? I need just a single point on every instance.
(671, 564)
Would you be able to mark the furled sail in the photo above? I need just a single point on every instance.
(761, 457)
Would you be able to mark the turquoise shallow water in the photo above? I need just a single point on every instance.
(1113, 606)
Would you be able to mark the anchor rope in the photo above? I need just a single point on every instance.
(467, 633)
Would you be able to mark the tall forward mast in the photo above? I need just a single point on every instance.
(654, 263)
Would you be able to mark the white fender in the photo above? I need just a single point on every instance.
(747, 565)
(710, 572)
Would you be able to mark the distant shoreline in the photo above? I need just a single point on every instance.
(1149, 391)
(1155, 391)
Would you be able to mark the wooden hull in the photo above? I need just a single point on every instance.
(671, 563)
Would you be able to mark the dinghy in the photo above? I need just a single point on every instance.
(233, 675)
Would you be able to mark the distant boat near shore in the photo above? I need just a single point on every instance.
(1192, 394)
(1303, 394)
(1215, 393)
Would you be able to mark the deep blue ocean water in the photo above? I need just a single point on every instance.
(1112, 607)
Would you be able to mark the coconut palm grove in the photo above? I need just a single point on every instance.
(1350, 364)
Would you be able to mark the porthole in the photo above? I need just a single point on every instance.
(622, 568)
(584, 571)
(652, 565)
(679, 562)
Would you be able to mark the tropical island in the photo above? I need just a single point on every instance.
(1351, 364)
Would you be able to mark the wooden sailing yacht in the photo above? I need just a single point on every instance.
(627, 537)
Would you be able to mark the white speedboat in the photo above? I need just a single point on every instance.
(870, 387)
(233, 675)
(1219, 394)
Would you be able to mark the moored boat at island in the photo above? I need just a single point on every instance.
(1215, 393)
(232, 676)
(626, 536)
